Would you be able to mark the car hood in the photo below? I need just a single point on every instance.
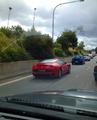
(79, 93)
(48, 96)
(72, 100)
(75, 93)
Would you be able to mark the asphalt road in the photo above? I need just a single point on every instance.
(81, 77)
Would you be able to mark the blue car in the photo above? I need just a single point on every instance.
(78, 59)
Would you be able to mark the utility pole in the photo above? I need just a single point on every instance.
(10, 8)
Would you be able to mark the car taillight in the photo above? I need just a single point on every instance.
(34, 66)
(48, 66)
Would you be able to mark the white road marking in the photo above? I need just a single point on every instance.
(16, 80)
(88, 68)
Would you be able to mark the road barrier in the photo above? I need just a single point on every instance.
(14, 68)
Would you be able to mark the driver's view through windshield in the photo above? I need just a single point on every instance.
(48, 59)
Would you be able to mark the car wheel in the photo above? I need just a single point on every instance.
(83, 63)
(36, 76)
(59, 73)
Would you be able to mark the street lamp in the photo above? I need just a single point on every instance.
(10, 8)
(34, 17)
(54, 14)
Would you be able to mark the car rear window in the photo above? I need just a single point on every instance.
(49, 61)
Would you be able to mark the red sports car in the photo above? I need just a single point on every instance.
(51, 67)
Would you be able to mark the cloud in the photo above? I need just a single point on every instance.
(80, 16)
(90, 43)
(20, 11)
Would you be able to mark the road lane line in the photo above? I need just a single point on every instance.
(16, 80)
(88, 68)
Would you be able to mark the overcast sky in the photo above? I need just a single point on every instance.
(79, 16)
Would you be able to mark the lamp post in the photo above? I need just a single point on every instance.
(34, 18)
(10, 8)
(54, 14)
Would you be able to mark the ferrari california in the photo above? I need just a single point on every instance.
(51, 67)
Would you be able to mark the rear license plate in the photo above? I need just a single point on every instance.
(41, 70)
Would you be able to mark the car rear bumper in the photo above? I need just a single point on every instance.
(43, 73)
(77, 62)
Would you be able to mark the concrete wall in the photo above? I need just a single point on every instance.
(14, 68)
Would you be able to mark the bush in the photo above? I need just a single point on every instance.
(58, 45)
(39, 47)
(58, 52)
(14, 55)
(10, 50)
(6, 31)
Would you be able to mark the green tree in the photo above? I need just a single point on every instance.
(10, 50)
(80, 48)
(13, 32)
(40, 47)
(47, 40)
(68, 39)
(81, 45)
(58, 45)
(17, 31)
(6, 31)
(58, 52)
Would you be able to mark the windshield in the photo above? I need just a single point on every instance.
(33, 32)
